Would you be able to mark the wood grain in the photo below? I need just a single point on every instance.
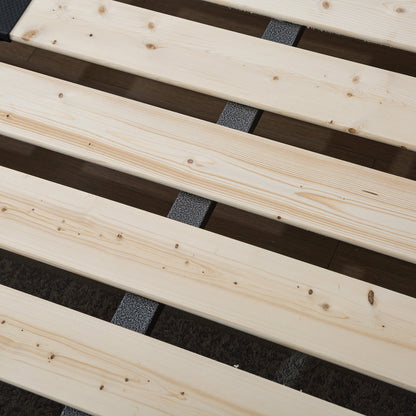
(104, 369)
(346, 321)
(352, 203)
(390, 23)
(343, 95)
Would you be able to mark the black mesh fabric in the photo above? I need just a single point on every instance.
(10, 12)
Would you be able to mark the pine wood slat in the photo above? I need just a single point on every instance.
(343, 95)
(349, 322)
(351, 203)
(390, 23)
(106, 370)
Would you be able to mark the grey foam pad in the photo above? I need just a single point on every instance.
(191, 209)
(135, 313)
(283, 32)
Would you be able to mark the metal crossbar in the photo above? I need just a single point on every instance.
(138, 313)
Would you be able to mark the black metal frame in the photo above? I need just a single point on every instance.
(10, 13)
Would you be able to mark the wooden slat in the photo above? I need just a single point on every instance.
(104, 369)
(343, 95)
(391, 23)
(355, 204)
(349, 322)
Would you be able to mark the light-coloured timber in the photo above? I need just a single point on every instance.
(343, 95)
(391, 23)
(355, 204)
(349, 322)
(104, 369)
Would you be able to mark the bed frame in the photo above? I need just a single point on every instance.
(106, 369)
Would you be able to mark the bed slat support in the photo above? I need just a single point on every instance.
(138, 313)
